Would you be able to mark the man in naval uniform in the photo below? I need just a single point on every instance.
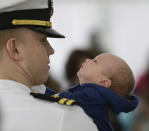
(24, 58)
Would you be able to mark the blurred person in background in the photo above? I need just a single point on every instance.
(141, 120)
(142, 86)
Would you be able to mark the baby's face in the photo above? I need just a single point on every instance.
(91, 70)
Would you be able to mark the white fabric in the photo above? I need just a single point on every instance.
(39, 89)
(12, 5)
(21, 112)
(8, 3)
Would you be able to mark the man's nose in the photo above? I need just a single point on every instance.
(50, 50)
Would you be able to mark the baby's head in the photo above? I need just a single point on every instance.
(109, 71)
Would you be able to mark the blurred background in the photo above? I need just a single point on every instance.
(120, 27)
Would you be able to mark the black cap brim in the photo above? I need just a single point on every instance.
(47, 31)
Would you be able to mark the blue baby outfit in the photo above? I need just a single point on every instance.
(96, 101)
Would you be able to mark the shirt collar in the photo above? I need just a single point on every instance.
(13, 86)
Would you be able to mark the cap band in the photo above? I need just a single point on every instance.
(32, 22)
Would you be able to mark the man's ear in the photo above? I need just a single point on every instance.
(12, 49)
(106, 83)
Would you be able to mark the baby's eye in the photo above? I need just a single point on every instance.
(95, 61)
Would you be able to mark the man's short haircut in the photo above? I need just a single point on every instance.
(9, 33)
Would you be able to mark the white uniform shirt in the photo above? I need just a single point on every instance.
(19, 111)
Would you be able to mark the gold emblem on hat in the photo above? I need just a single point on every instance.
(32, 22)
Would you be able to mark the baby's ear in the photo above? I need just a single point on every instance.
(106, 83)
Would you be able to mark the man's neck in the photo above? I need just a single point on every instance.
(14, 72)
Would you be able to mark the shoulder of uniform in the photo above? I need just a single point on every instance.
(55, 98)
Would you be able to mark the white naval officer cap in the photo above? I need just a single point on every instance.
(32, 14)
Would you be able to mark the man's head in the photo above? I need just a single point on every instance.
(24, 49)
(109, 71)
(28, 52)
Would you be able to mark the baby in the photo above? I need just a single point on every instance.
(106, 83)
